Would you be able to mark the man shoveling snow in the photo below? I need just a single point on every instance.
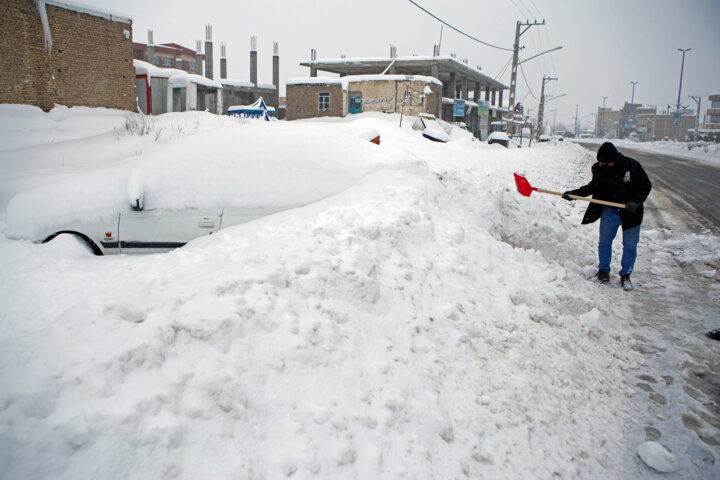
(616, 178)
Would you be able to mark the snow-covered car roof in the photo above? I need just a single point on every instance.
(498, 136)
(260, 164)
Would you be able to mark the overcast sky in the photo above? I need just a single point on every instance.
(606, 43)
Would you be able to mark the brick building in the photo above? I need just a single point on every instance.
(318, 97)
(171, 55)
(56, 53)
(337, 97)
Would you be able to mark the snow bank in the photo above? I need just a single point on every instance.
(422, 321)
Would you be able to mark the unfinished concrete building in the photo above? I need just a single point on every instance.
(468, 96)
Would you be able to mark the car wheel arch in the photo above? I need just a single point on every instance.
(89, 241)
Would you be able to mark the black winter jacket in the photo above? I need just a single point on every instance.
(624, 182)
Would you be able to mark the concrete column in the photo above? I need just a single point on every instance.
(151, 54)
(313, 72)
(493, 97)
(198, 63)
(464, 88)
(501, 95)
(487, 94)
(476, 95)
(452, 87)
(253, 67)
(209, 60)
(223, 68)
(276, 72)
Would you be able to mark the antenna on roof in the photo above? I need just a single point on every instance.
(253, 43)
(150, 38)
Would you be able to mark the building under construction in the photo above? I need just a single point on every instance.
(181, 85)
(469, 97)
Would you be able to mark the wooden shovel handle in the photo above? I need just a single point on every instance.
(585, 199)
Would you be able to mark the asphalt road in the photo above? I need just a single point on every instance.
(692, 187)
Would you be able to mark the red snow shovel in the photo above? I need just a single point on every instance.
(526, 189)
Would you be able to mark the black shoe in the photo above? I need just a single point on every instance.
(625, 282)
(714, 334)
(602, 277)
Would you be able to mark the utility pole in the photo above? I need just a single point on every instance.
(676, 117)
(632, 104)
(541, 111)
(515, 62)
(576, 120)
(602, 117)
(697, 118)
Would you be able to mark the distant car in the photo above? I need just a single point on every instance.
(500, 138)
(544, 138)
(431, 128)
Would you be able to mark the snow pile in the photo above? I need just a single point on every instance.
(420, 320)
(657, 457)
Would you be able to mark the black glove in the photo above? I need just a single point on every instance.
(567, 194)
(632, 207)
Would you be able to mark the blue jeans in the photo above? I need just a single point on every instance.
(609, 223)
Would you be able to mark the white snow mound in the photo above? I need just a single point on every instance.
(657, 457)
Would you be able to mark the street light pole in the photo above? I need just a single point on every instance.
(602, 117)
(576, 120)
(676, 119)
(632, 103)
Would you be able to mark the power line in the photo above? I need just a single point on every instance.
(507, 64)
(458, 30)
(526, 83)
(537, 9)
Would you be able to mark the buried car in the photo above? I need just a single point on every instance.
(194, 187)
(431, 128)
(500, 138)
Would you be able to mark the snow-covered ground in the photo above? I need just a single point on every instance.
(703, 152)
(424, 321)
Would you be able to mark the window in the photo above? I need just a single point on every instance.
(323, 101)
(166, 61)
(178, 63)
(191, 66)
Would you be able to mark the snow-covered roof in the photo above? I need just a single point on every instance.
(91, 10)
(174, 75)
(393, 78)
(314, 80)
(346, 80)
(236, 83)
(184, 79)
(451, 101)
(414, 58)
